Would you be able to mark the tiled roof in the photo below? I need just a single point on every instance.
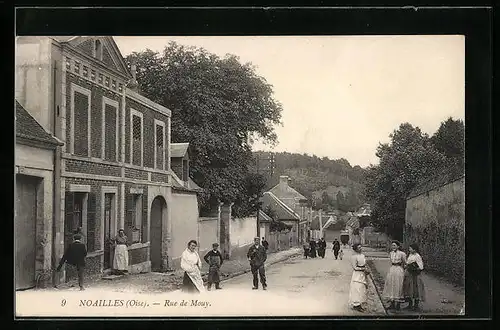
(282, 210)
(178, 150)
(28, 128)
(438, 180)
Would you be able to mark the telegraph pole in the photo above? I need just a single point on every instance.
(268, 169)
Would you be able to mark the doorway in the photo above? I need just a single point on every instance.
(109, 229)
(158, 211)
(25, 231)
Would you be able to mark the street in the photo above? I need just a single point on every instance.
(296, 287)
(299, 286)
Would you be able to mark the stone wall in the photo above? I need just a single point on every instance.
(435, 220)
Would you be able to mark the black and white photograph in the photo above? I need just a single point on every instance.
(210, 176)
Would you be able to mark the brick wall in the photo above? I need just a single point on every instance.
(81, 119)
(149, 116)
(136, 174)
(93, 235)
(158, 177)
(92, 168)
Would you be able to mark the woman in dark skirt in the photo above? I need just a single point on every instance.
(191, 264)
(413, 286)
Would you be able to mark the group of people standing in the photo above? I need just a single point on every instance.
(403, 282)
(191, 265)
(315, 249)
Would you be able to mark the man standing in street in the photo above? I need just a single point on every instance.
(257, 256)
(336, 248)
(75, 255)
(214, 260)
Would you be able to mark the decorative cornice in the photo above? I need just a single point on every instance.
(147, 102)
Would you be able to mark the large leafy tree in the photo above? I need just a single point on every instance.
(218, 105)
(450, 140)
(408, 158)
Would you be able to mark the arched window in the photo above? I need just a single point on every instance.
(98, 49)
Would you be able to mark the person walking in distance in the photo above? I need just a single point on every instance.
(214, 261)
(75, 256)
(322, 247)
(336, 248)
(265, 244)
(257, 256)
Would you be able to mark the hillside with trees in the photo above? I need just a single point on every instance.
(329, 184)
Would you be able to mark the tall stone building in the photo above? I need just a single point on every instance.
(115, 162)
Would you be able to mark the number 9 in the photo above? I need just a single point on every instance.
(63, 302)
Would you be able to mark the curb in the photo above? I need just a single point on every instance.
(241, 272)
(377, 291)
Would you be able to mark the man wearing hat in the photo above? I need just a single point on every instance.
(214, 260)
(257, 256)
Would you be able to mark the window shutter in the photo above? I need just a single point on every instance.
(129, 215)
(91, 222)
(68, 218)
(144, 228)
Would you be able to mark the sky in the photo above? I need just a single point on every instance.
(343, 95)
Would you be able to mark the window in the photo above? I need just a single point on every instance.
(159, 152)
(68, 64)
(113, 84)
(136, 138)
(98, 49)
(120, 87)
(80, 215)
(85, 71)
(80, 121)
(109, 136)
(92, 74)
(77, 67)
(101, 78)
(107, 82)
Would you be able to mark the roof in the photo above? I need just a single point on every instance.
(28, 128)
(437, 180)
(289, 193)
(178, 150)
(352, 222)
(178, 184)
(282, 210)
(263, 217)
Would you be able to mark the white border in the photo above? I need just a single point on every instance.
(139, 114)
(162, 124)
(88, 93)
(116, 105)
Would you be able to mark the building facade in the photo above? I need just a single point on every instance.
(115, 163)
(33, 221)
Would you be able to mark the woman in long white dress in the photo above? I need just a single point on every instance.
(359, 284)
(120, 259)
(393, 288)
(191, 265)
(413, 286)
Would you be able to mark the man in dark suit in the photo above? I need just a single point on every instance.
(257, 256)
(75, 255)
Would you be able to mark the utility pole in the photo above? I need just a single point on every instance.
(268, 169)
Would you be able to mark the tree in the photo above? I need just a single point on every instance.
(218, 105)
(407, 159)
(450, 140)
(340, 201)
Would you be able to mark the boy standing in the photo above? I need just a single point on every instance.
(214, 260)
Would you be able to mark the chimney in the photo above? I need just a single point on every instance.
(283, 182)
(132, 84)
